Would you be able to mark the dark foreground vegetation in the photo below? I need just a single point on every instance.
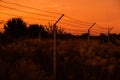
(76, 60)
(26, 53)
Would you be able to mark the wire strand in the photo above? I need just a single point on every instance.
(25, 17)
(27, 11)
(80, 23)
(72, 24)
(29, 7)
(76, 20)
(100, 27)
(97, 32)
(75, 30)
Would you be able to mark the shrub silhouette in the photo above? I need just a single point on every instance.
(84, 36)
(103, 38)
(15, 27)
(35, 30)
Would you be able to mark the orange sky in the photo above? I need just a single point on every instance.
(104, 12)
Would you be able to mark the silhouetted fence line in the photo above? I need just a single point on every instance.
(83, 27)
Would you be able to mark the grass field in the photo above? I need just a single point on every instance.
(32, 59)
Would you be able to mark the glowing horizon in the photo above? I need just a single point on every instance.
(103, 12)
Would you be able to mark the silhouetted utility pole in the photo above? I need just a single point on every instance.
(109, 30)
(89, 31)
(54, 47)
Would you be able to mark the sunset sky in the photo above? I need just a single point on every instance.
(105, 13)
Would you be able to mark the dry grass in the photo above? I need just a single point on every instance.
(32, 59)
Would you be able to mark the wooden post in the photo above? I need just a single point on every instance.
(109, 29)
(89, 32)
(40, 35)
(54, 47)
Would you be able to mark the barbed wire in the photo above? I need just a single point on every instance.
(99, 30)
(75, 30)
(100, 27)
(73, 19)
(26, 17)
(73, 25)
(29, 7)
(27, 12)
(95, 32)
(73, 22)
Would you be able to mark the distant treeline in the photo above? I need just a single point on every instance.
(16, 28)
